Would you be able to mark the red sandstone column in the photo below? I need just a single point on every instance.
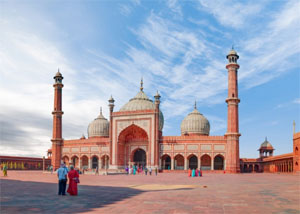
(57, 140)
(157, 135)
(232, 134)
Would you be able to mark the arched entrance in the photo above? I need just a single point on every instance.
(179, 162)
(166, 162)
(205, 162)
(193, 162)
(75, 161)
(131, 137)
(256, 168)
(139, 157)
(219, 162)
(95, 162)
(84, 162)
(104, 162)
(250, 168)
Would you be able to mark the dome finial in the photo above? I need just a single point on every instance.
(142, 84)
(195, 105)
(232, 48)
(100, 109)
(266, 139)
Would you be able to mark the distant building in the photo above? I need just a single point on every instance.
(268, 163)
(25, 163)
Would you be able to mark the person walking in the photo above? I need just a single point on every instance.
(146, 170)
(193, 173)
(97, 171)
(51, 169)
(200, 172)
(150, 170)
(156, 171)
(4, 170)
(73, 181)
(62, 179)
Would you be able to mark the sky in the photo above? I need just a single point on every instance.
(179, 48)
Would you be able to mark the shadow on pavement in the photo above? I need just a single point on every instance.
(36, 197)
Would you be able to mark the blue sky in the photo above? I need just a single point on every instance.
(178, 47)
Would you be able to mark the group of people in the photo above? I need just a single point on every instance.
(195, 172)
(63, 174)
(133, 170)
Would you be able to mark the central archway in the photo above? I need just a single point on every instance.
(129, 140)
(139, 157)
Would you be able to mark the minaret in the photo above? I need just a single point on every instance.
(57, 140)
(111, 106)
(232, 134)
(157, 135)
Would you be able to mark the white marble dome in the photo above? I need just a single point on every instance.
(99, 127)
(142, 102)
(195, 123)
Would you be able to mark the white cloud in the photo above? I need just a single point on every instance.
(297, 101)
(231, 13)
(272, 51)
(175, 7)
(125, 9)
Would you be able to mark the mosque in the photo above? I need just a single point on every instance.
(133, 135)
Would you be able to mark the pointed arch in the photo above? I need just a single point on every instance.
(219, 162)
(166, 161)
(179, 162)
(205, 162)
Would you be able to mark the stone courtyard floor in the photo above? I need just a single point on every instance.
(36, 192)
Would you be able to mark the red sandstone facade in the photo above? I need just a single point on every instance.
(135, 135)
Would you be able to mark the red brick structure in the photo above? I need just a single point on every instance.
(133, 135)
(286, 163)
(24, 163)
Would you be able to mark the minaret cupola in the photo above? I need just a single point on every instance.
(232, 57)
(58, 77)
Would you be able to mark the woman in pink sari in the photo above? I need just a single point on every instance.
(73, 180)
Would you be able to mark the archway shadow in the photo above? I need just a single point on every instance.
(37, 197)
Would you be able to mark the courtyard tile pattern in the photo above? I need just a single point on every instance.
(36, 192)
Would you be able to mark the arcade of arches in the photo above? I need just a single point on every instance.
(84, 162)
(179, 162)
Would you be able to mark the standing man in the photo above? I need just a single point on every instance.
(62, 173)
(156, 170)
(150, 170)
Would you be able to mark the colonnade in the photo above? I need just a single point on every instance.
(180, 162)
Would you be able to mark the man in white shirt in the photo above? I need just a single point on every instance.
(62, 173)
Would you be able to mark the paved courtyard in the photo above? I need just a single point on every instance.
(36, 192)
